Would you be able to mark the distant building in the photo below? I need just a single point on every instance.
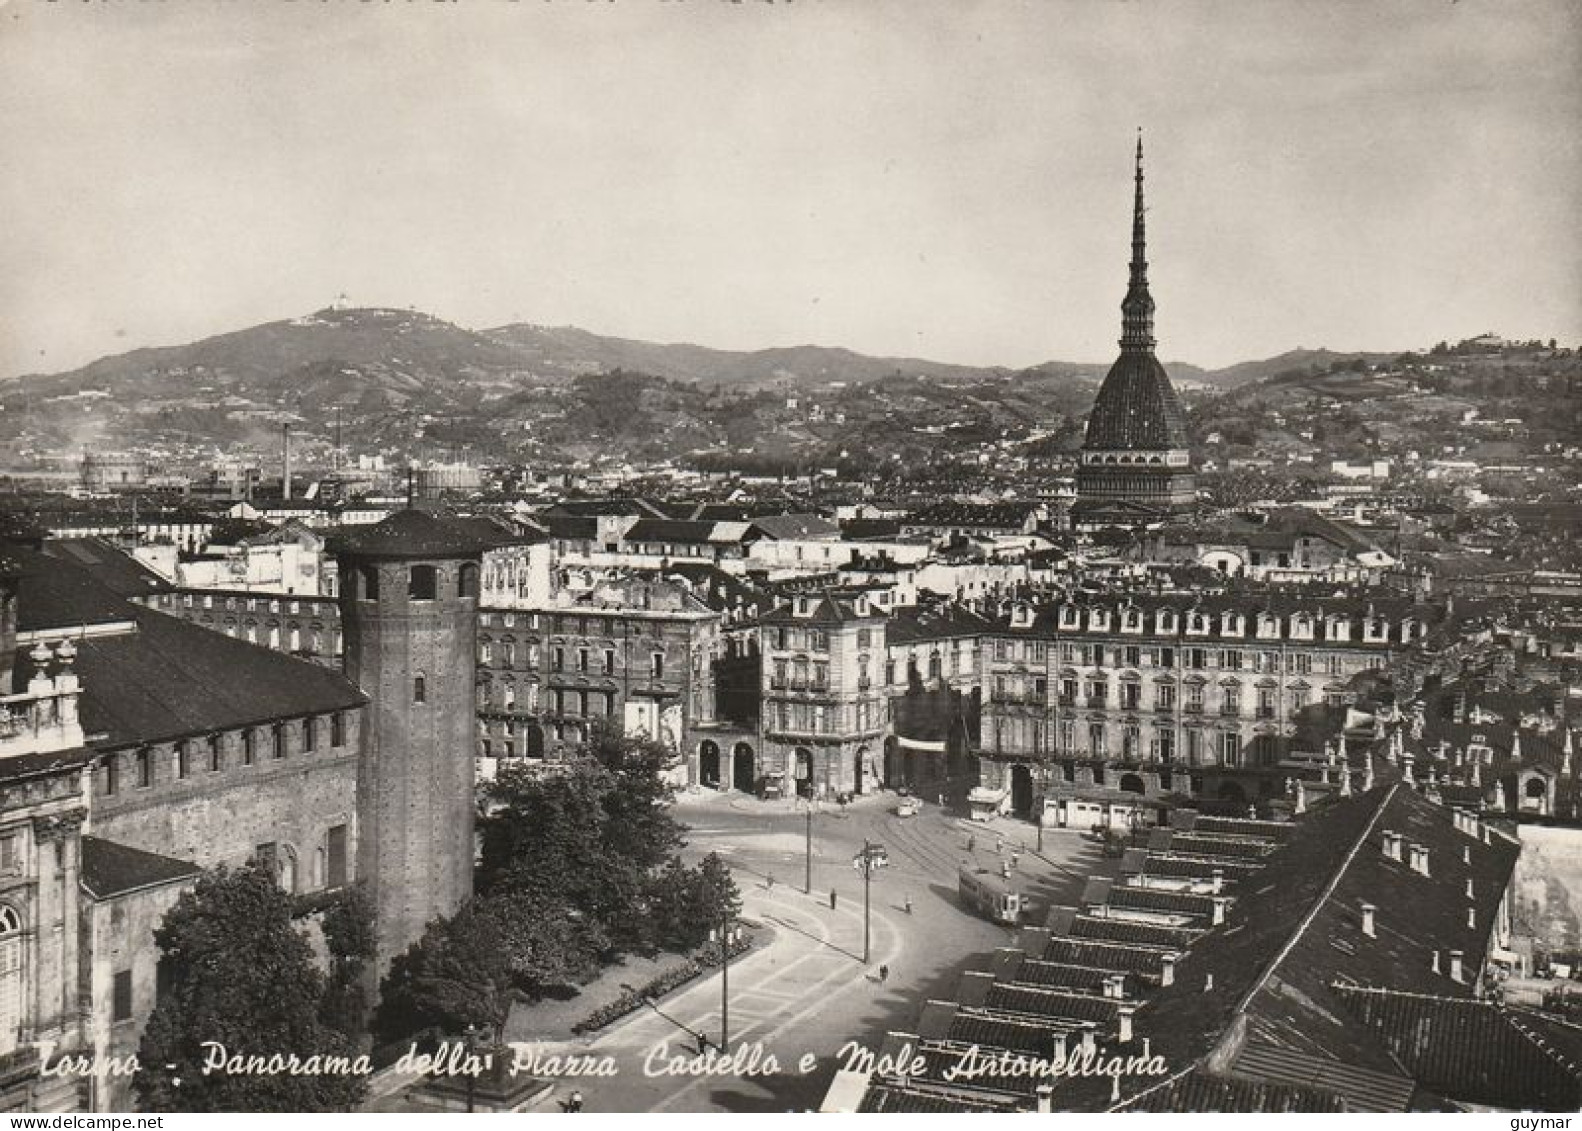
(1136, 463)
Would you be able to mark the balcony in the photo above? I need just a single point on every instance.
(1266, 712)
(1230, 710)
(1025, 699)
(1165, 708)
(1193, 708)
(814, 686)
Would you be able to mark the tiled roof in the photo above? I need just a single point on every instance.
(670, 530)
(110, 870)
(1053, 1003)
(1469, 1051)
(55, 593)
(947, 621)
(1198, 1091)
(1136, 408)
(415, 534)
(117, 571)
(1105, 955)
(900, 1099)
(795, 526)
(171, 678)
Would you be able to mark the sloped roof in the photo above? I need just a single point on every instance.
(1136, 408)
(113, 568)
(789, 526)
(59, 593)
(1469, 1051)
(171, 679)
(415, 534)
(1199, 1091)
(110, 870)
(676, 530)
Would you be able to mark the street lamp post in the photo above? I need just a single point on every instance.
(807, 881)
(872, 856)
(725, 978)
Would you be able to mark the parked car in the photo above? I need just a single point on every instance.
(908, 807)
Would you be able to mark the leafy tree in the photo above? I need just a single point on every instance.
(350, 934)
(688, 902)
(547, 947)
(242, 975)
(457, 975)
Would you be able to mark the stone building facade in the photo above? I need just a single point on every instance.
(1192, 695)
(826, 704)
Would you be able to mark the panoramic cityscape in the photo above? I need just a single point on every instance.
(402, 716)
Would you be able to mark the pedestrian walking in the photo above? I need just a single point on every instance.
(972, 843)
(832, 899)
(884, 974)
(575, 1102)
(769, 881)
(908, 905)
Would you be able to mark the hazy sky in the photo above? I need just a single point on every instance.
(938, 178)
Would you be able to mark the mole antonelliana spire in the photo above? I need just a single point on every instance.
(1136, 465)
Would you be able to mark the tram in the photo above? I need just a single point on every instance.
(991, 895)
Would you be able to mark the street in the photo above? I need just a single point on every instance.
(807, 992)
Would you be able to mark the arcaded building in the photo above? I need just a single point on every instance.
(1136, 463)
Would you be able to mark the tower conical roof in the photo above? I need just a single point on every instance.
(1137, 408)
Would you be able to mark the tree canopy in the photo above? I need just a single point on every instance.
(238, 971)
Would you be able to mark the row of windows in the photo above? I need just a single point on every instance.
(584, 660)
(1302, 626)
(811, 718)
(812, 639)
(233, 603)
(1198, 746)
(1193, 697)
(1189, 659)
(192, 756)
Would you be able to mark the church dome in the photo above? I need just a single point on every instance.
(1137, 408)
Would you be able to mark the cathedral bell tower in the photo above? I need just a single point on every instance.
(1136, 464)
(409, 616)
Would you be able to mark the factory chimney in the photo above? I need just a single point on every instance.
(285, 462)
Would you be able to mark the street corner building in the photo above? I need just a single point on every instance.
(138, 749)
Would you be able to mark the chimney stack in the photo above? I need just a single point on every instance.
(1220, 903)
(1124, 1017)
(1455, 965)
(1367, 919)
(1167, 970)
(1466, 854)
(1469, 887)
(1419, 859)
(1219, 880)
(1436, 962)
(1046, 1098)
(1115, 986)
(1472, 918)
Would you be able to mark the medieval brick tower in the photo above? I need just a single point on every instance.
(409, 612)
(1136, 466)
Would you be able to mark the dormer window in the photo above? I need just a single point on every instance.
(1098, 620)
(1337, 629)
(1166, 621)
(1268, 627)
(1375, 628)
(1197, 624)
(1069, 617)
(1302, 626)
(1231, 624)
(1132, 621)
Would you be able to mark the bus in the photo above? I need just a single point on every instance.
(990, 895)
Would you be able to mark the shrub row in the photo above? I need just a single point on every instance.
(666, 981)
